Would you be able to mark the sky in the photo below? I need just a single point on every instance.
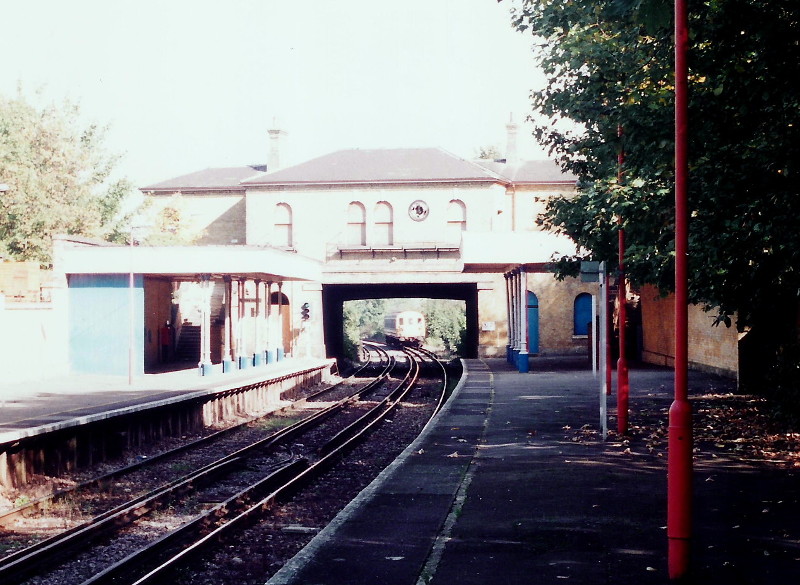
(185, 85)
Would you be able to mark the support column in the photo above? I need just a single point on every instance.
(280, 322)
(205, 325)
(522, 358)
(509, 315)
(244, 361)
(271, 356)
(514, 282)
(258, 354)
(227, 355)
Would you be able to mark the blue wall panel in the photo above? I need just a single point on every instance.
(100, 323)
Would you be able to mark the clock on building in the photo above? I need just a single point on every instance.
(418, 210)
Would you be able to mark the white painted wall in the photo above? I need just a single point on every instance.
(34, 342)
(320, 213)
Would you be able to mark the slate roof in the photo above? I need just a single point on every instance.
(229, 178)
(530, 172)
(380, 166)
(370, 166)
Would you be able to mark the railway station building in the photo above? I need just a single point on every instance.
(389, 223)
(281, 249)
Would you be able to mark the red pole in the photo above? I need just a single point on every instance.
(623, 388)
(679, 461)
(622, 363)
(609, 337)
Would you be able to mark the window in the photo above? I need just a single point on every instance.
(384, 224)
(456, 219)
(582, 314)
(283, 225)
(356, 224)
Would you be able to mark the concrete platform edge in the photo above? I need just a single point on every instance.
(204, 387)
(286, 574)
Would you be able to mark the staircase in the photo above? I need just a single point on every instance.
(188, 348)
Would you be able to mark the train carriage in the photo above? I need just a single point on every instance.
(404, 327)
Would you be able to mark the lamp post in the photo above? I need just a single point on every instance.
(623, 387)
(679, 461)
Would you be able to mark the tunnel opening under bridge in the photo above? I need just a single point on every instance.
(335, 295)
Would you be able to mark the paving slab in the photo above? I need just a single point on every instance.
(504, 493)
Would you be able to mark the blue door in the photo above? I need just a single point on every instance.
(533, 323)
(582, 314)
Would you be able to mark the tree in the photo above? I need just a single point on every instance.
(446, 322)
(362, 319)
(167, 222)
(610, 71)
(489, 153)
(58, 178)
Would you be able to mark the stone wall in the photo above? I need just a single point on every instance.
(711, 348)
(556, 306)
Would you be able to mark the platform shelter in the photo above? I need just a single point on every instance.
(121, 310)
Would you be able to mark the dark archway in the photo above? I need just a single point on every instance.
(335, 295)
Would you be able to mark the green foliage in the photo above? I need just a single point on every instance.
(363, 319)
(58, 177)
(610, 71)
(446, 321)
(166, 222)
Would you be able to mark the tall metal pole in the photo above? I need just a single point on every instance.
(623, 388)
(679, 461)
(131, 315)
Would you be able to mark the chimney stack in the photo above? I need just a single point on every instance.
(511, 140)
(274, 160)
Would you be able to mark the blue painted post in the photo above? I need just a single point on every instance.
(522, 357)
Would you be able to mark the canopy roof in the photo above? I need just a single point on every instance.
(76, 256)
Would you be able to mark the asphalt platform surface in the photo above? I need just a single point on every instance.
(39, 406)
(512, 483)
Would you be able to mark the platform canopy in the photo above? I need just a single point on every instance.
(500, 252)
(186, 262)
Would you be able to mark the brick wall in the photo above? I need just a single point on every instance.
(556, 306)
(711, 348)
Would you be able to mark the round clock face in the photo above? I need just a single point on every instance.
(418, 210)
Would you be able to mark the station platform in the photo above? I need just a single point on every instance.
(36, 407)
(507, 485)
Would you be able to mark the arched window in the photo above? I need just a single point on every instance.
(384, 224)
(356, 224)
(456, 219)
(283, 225)
(582, 314)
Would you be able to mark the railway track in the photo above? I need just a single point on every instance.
(172, 524)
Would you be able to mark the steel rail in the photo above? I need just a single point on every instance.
(48, 552)
(328, 458)
(377, 413)
(434, 358)
(6, 518)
